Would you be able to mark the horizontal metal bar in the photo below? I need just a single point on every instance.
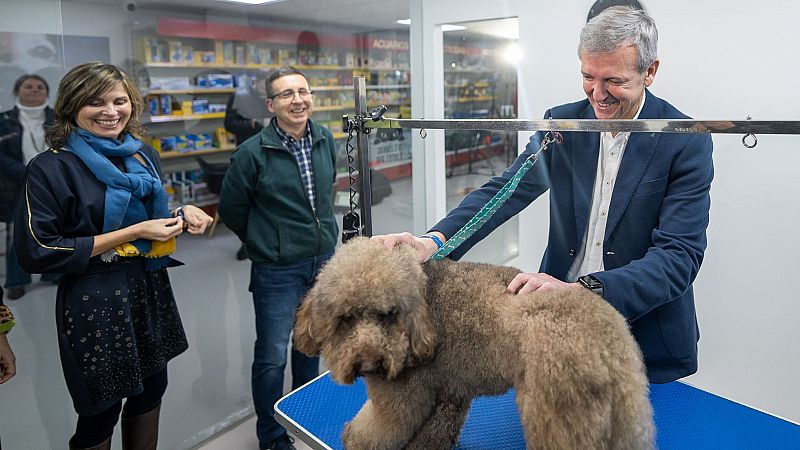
(642, 125)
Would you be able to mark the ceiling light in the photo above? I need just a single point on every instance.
(448, 27)
(445, 27)
(251, 2)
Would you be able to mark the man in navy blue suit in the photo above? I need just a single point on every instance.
(628, 211)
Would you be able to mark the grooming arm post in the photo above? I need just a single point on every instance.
(362, 148)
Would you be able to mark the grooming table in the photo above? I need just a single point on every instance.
(685, 418)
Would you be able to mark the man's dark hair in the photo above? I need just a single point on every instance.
(278, 73)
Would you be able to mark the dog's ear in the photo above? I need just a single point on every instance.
(422, 335)
(304, 339)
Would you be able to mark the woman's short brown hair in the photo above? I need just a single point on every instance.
(80, 86)
(30, 76)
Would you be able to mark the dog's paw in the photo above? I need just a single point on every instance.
(350, 438)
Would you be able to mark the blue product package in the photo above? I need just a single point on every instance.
(153, 105)
(167, 143)
(166, 105)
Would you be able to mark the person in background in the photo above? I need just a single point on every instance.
(628, 211)
(8, 363)
(22, 130)
(276, 196)
(95, 210)
(245, 116)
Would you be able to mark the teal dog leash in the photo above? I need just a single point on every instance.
(495, 202)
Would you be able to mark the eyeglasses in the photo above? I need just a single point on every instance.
(289, 94)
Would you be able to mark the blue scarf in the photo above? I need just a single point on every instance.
(131, 197)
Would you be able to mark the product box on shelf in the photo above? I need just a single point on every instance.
(163, 143)
(238, 54)
(188, 55)
(208, 57)
(200, 106)
(202, 141)
(225, 138)
(227, 52)
(215, 80)
(153, 104)
(165, 104)
(170, 83)
(217, 107)
(183, 144)
(266, 55)
(253, 55)
(186, 107)
(175, 52)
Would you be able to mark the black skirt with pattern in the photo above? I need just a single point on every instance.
(117, 325)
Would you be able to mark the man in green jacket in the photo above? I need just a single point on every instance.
(276, 197)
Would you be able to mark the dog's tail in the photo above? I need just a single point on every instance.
(632, 416)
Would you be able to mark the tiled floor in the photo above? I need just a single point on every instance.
(242, 436)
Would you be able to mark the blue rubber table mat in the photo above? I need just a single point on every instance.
(685, 418)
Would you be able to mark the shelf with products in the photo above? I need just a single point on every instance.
(193, 153)
(173, 54)
(478, 84)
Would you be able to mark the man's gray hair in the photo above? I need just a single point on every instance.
(620, 26)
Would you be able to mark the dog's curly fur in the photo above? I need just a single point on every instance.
(429, 338)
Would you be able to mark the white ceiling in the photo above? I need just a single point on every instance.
(382, 14)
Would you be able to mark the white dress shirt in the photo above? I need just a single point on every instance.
(590, 257)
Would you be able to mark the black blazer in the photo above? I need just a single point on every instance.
(12, 167)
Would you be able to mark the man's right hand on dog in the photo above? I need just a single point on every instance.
(425, 247)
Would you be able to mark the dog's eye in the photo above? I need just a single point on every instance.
(347, 321)
(388, 316)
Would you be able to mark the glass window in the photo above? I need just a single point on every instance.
(480, 82)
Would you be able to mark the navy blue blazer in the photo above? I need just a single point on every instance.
(656, 231)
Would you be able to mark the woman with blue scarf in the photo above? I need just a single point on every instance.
(96, 211)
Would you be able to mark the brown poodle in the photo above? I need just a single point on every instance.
(429, 338)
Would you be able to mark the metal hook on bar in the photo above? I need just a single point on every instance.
(755, 140)
(422, 133)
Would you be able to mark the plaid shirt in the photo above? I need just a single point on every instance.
(302, 152)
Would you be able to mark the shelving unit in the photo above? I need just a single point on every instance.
(478, 85)
(174, 54)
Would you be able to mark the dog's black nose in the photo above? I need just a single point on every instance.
(369, 367)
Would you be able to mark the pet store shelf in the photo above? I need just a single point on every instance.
(180, 118)
(197, 90)
(174, 154)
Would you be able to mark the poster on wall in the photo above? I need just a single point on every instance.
(48, 55)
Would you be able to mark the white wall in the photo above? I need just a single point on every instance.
(719, 59)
